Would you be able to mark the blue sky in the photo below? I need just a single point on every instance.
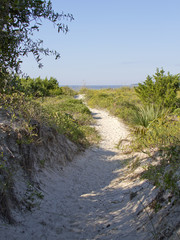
(111, 42)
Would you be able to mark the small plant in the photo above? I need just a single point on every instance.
(42, 162)
(32, 197)
(162, 132)
(145, 115)
(164, 174)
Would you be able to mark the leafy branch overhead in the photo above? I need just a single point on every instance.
(19, 19)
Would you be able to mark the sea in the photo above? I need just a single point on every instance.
(78, 87)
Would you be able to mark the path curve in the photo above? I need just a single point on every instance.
(86, 199)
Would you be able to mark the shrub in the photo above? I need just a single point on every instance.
(68, 91)
(144, 115)
(38, 87)
(160, 89)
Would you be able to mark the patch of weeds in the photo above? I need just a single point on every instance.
(158, 202)
(26, 135)
(157, 206)
(32, 197)
(42, 162)
(136, 163)
(161, 133)
(165, 174)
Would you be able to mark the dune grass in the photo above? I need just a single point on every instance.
(67, 115)
(154, 130)
(150, 124)
(70, 117)
(120, 102)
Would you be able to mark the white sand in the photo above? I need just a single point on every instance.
(87, 200)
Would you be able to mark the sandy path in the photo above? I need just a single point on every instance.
(86, 200)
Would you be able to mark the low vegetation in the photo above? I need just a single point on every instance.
(70, 117)
(152, 112)
(31, 105)
(120, 102)
(44, 101)
(155, 122)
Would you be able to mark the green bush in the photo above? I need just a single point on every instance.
(38, 87)
(68, 91)
(160, 89)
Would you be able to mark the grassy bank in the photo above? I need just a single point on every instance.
(70, 117)
(64, 113)
(35, 129)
